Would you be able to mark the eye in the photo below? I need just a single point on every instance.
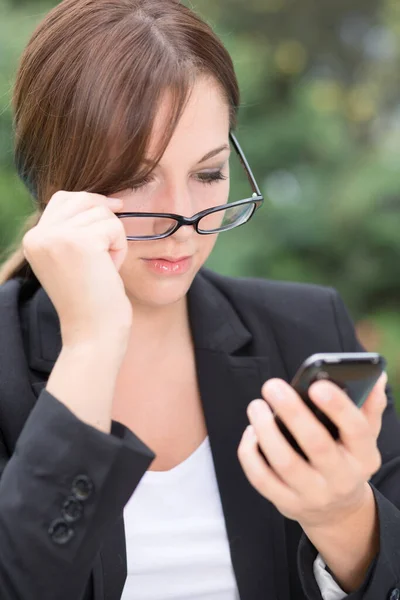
(140, 184)
(211, 177)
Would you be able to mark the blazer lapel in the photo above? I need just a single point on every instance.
(229, 378)
(113, 561)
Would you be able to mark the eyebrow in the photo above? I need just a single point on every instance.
(213, 153)
(207, 156)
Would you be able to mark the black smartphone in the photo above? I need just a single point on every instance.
(356, 373)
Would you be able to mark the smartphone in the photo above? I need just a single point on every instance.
(356, 373)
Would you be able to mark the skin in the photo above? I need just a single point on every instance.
(176, 188)
(330, 496)
(159, 362)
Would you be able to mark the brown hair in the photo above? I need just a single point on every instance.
(93, 73)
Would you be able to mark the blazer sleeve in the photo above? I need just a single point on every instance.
(382, 581)
(65, 484)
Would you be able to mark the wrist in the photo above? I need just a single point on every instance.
(348, 514)
(349, 544)
(84, 379)
(105, 341)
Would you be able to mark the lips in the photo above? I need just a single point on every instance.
(169, 266)
(169, 259)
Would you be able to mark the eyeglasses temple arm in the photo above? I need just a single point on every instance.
(245, 164)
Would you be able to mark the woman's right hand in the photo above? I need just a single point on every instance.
(76, 251)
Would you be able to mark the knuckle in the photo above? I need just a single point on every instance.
(313, 434)
(343, 489)
(289, 510)
(318, 444)
(32, 241)
(360, 430)
(84, 198)
(119, 228)
(376, 461)
(58, 195)
(295, 420)
(53, 247)
(285, 464)
(338, 403)
(37, 242)
(257, 479)
(102, 212)
(243, 451)
(29, 238)
(65, 241)
(81, 199)
(96, 198)
(297, 414)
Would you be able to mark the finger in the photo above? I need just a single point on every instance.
(64, 205)
(356, 433)
(311, 435)
(374, 407)
(262, 477)
(296, 472)
(92, 215)
(111, 233)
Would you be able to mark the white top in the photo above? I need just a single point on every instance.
(177, 545)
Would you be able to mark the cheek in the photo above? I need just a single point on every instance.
(205, 245)
(136, 251)
(211, 195)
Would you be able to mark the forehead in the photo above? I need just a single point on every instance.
(203, 125)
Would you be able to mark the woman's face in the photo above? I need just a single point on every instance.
(182, 184)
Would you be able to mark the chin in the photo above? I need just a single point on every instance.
(157, 291)
(161, 295)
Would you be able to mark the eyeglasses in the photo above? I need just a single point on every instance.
(155, 226)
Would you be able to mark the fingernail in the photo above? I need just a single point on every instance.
(275, 390)
(322, 391)
(257, 408)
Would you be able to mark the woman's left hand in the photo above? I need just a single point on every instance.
(333, 484)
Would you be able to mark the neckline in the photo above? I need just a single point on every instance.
(178, 470)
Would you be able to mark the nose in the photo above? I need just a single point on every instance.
(184, 233)
(178, 200)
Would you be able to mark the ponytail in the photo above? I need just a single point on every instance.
(15, 264)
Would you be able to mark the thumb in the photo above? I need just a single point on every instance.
(374, 406)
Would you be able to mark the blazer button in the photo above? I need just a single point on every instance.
(394, 594)
(60, 532)
(82, 487)
(72, 510)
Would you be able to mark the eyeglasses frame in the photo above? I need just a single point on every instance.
(257, 199)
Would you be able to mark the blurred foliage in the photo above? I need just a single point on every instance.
(320, 126)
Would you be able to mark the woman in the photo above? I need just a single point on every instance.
(129, 373)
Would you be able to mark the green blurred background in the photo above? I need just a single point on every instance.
(320, 125)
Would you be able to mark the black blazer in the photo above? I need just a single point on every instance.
(245, 331)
